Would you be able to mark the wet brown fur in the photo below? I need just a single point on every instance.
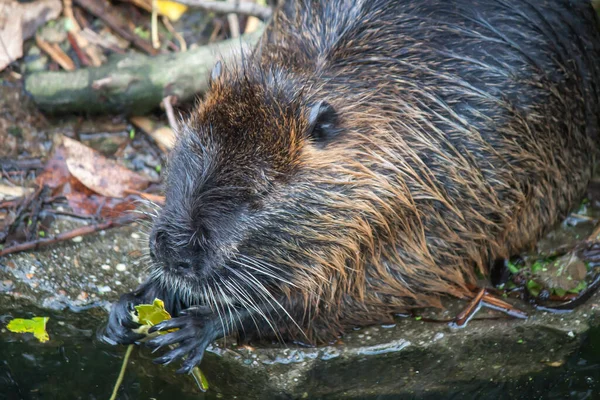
(446, 159)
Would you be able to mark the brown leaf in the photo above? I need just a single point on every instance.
(81, 199)
(19, 21)
(163, 135)
(109, 207)
(98, 173)
(55, 174)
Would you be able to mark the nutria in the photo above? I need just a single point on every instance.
(368, 158)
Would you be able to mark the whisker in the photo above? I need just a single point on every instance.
(212, 295)
(264, 289)
(261, 271)
(256, 307)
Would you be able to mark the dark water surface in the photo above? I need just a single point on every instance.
(73, 365)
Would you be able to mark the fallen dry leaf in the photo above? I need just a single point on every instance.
(98, 173)
(163, 135)
(19, 21)
(82, 199)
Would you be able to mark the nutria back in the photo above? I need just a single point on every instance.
(370, 156)
(465, 131)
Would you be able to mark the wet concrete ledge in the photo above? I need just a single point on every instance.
(411, 358)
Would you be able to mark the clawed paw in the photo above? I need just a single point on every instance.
(195, 330)
(119, 329)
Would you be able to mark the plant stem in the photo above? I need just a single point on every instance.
(122, 373)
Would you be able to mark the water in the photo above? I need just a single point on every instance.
(73, 365)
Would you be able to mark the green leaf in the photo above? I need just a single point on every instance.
(158, 168)
(141, 32)
(149, 315)
(559, 292)
(69, 25)
(36, 325)
(512, 268)
(533, 287)
(152, 314)
(582, 285)
(42, 233)
(132, 134)
(537, 266)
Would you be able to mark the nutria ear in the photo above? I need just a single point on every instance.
(216, 71)
(322, 122)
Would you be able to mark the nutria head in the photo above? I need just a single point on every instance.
(247, 206)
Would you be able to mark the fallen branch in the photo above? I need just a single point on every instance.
(237, 7)
(132, 85)
(81, 231)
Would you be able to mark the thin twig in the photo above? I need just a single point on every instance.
(100, 10)
(234, 22)
(154, 26)
(80, 54)
(168, 104)
(226, 8)
(35, 212)
(56, 53)
(176, 35)
(81, 231)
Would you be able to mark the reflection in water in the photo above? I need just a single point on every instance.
(82, 369)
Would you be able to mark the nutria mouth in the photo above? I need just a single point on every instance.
(368, 158)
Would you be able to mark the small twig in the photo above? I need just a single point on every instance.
(81, 231)
(474, 305)
(86, 52)
(98, 40)
(68, 214)
(154, 26)
(122, 373)
(234, 22)
(226, 8)
(99, 9)
(80, 54)
(6, 204)
(56, 53)
(168, 104)
(594, 235)
(35, 212)
(216, 30)
(26, 164)
(176, 35)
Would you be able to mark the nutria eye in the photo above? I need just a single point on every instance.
(322, 122)
(157, 244)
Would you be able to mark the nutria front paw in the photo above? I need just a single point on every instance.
(120, 325)
(196, 327)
